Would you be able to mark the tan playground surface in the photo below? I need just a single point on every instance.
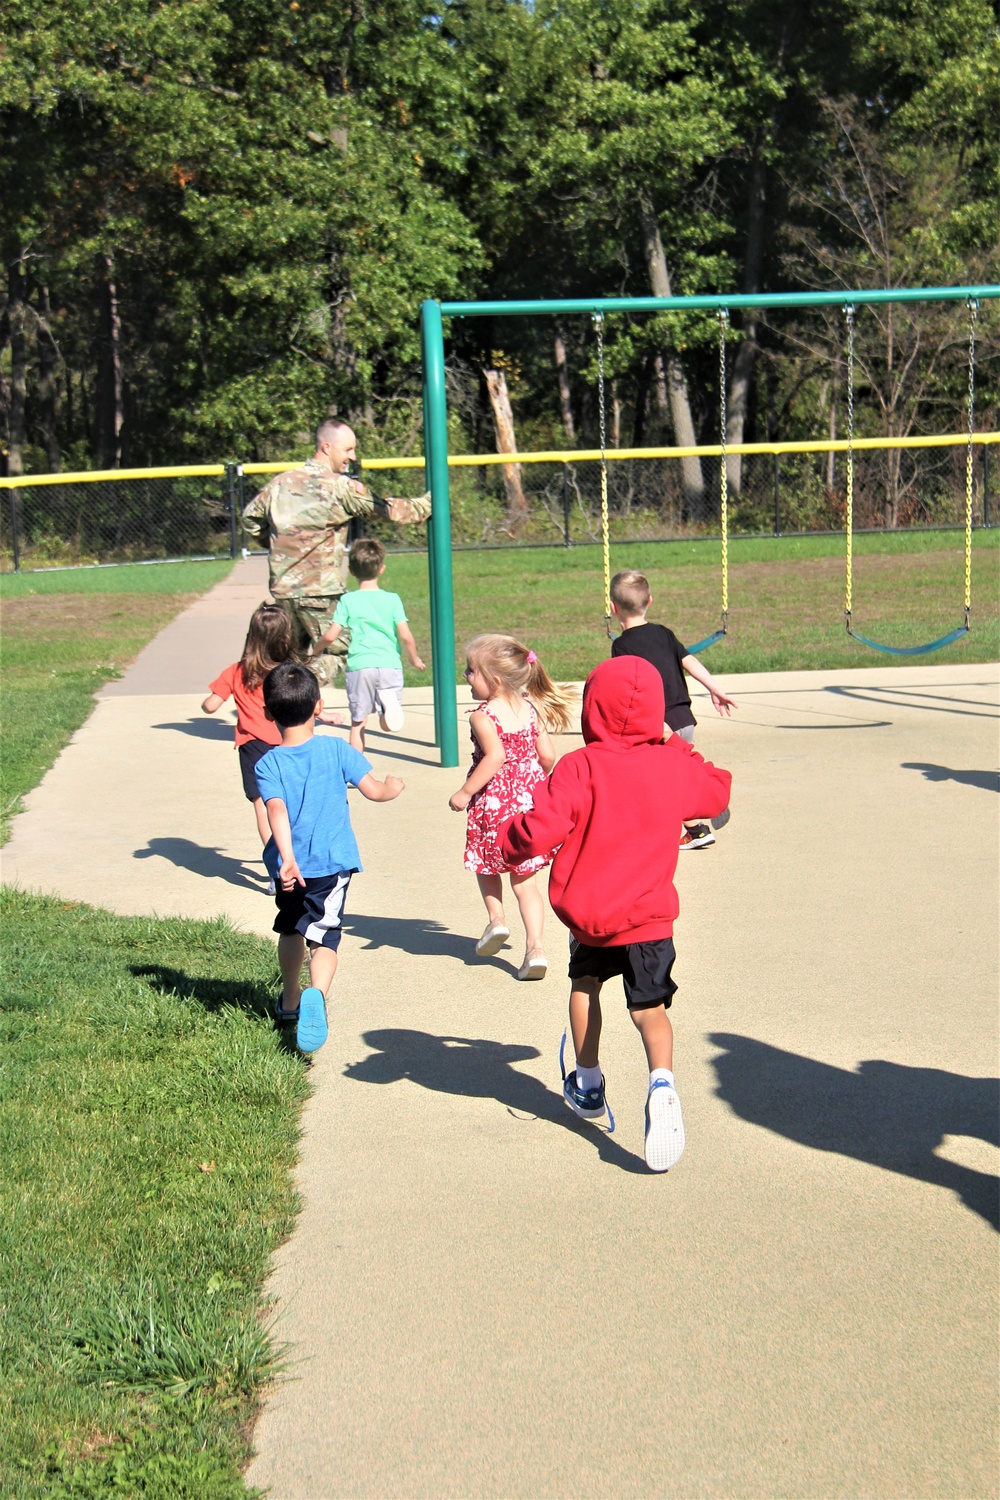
(486, 1298)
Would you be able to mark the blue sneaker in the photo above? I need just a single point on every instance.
(311, 1031)
(589, 1104)
(285, 1017)
(664, 1127)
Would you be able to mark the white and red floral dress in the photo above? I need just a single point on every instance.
(509, 792)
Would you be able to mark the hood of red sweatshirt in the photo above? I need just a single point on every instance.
(623, 704)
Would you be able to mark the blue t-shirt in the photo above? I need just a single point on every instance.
(312, 780)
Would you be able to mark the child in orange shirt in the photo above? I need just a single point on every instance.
(270, 641)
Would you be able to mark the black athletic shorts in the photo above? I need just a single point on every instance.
(250, 754)
(314, 910)
(644, 967)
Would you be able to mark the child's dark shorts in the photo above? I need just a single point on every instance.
(250, 753)
(644, 967)
(314, 910)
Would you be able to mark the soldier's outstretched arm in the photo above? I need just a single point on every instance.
(354, 497)
(407, 512)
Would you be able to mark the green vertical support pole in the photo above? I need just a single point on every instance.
(435, 695)
(439, 530)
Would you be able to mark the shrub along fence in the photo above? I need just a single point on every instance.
(147, 515)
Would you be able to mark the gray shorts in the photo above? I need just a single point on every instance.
(365, 689)
(686, 733)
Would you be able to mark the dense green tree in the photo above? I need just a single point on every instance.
(219, 220)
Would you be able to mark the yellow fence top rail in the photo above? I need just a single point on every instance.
(91, 476)
(551, 456)
(707, 450)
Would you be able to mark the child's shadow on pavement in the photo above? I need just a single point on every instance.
(886, 1114)
(421, 936)
(203, 729)
(202, 859)
(478, 1069)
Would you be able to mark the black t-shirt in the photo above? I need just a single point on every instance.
(661, 648)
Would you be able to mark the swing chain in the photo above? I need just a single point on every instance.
(849, 516)
(605, 525)
(723, 467)
(599, 329)
(969, 486)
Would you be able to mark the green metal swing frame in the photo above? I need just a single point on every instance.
(432, 315)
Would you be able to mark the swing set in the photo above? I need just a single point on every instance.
(436, 454)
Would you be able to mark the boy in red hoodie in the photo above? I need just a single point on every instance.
(616, 808)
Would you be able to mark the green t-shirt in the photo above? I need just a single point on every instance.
(371, 616)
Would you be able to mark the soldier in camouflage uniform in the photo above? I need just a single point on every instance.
(302, 518)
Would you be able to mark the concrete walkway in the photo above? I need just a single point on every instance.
(487, 1299)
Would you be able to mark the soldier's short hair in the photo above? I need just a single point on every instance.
(328, 431)
(367, 557)
(290, 694)
(630, 591)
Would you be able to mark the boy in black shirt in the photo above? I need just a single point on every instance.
(630, 599)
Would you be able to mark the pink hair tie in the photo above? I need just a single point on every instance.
(532, 658)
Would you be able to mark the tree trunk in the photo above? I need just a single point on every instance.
(48, 383)
(503, 420)
(110, 405)
(562, 376)
(616, 416)
(662, 403)
(18, 367)
(4, 389)
(641, 397)
(674, 381)
(746, 354)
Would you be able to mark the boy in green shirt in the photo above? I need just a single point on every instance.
(377, 623)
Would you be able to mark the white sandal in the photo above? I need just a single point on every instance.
(535, 965)
(492, 940)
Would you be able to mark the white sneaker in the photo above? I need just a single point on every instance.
(392, 712)
(664, 1127)
(492, 940)
(535, 965)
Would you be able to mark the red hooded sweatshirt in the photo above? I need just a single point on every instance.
(616, 807)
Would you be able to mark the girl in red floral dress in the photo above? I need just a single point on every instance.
(511, 754)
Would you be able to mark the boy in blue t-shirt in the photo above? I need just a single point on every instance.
(377, 623)
(312, 852)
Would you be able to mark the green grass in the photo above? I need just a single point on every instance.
(785, 598)
(148, 1124)
(64, 634)
(129, 578)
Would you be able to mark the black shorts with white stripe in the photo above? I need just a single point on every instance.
(314, 910)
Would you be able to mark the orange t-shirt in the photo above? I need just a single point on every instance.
(250, 721)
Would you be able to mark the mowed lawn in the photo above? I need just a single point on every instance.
(63, 634)
(148, 1127)
(786, 599)
(148, 1122)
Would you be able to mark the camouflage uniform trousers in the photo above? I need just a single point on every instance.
(312, 618)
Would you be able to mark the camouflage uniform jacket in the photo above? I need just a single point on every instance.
(302, 518)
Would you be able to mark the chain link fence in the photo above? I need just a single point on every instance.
(119, 520)
(146, 516)
(652, 499)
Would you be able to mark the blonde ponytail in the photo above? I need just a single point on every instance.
(514, 671)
